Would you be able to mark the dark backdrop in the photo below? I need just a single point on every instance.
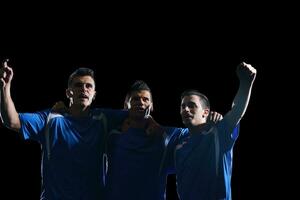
(169, 57)
(40, 80)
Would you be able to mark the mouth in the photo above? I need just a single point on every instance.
(83, 96)
(187, 117)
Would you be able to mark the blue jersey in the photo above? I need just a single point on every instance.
(139, 164)
(72, 167)
(204, 163)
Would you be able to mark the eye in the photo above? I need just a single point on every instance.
(146, 99)
(89, 85)
(77, 85)
(135, 98)
(183, 106)
(191, 105)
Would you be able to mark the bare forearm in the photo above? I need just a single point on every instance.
(9, 115)
(241, 100)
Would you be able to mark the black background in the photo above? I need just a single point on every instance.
(171, 55)
(40, 81)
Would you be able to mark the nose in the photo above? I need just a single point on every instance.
(140, 102)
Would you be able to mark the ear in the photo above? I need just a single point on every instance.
(127, 104)
(94, 97)
(151, 107)
(69, 93)
(205, 113)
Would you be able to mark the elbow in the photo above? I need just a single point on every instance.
(13, 125)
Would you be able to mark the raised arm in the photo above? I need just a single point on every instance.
(246, 74)
(9, 115)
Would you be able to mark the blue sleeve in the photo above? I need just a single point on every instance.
(114, 117)
(32, 124)
(227, 135)
(172, 136)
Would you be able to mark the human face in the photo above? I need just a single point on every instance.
(140, 103)
(82, 91)
(191, 111)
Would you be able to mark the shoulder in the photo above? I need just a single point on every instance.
(228, 131)
(176, 133)
(41, 114)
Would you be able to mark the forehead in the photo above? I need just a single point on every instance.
(83, 79)
(191, 98)
(141, 93)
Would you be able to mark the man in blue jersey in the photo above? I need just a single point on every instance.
(140, 155)
(204, 157)
(72, 142)
(136, 153)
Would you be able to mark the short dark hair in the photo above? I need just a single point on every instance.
(203, 99)
(138, 85)
(83, 71)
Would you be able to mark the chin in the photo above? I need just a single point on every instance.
(187, 123)
(82, 104)
(87, 105)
